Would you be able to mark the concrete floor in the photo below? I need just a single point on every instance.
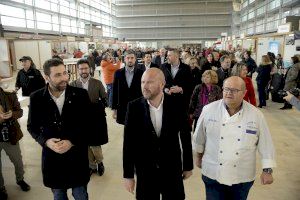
(284, 126)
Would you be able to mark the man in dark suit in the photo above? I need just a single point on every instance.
(156, 130)
(126, 86)
(62, 134)
(160, 59)
(224, 71)
(178, 78)
(147, 57)
(98, 99)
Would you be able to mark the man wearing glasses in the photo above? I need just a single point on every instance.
(228, 133)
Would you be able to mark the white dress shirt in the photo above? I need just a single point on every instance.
(174, 70)
(59, 101)
(229, 143)
(156, 116)
(85, 85)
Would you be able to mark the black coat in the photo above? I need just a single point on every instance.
(143, 68)
(29, 81)
(182, 79)
(157, 60)
(157, 160)
(70, 169)
(122, 94)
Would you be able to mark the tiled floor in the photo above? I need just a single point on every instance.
(284, 126)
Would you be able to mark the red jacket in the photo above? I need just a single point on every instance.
(250, 94)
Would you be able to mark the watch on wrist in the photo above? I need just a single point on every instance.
(268, 170)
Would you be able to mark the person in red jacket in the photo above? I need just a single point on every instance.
(241, 70)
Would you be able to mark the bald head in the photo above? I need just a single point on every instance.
(155, 73)
(236, 81)
(234, 90)
(153, 82)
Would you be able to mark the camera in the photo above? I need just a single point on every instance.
(294, 91)
(5, 133)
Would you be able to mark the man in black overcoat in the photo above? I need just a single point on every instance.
(58, 120)
(157, 143)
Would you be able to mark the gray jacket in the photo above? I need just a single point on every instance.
(291, 77)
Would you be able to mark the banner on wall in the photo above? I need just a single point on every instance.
(274, 47)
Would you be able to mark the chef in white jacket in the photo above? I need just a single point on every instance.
(228, 133)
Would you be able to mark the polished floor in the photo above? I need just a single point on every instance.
(284, 126)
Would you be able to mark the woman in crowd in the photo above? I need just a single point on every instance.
(196, 73)
(292, 78)
(204, 94)
(263, 78)
(241, 70)
(108, 70)
(209, 63)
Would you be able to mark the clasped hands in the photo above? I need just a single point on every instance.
(173, 90)
(58, 145)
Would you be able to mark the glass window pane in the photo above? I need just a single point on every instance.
(65, 10)
(11, 21)
(73, 12)
(28, 2)
(65, 29)
(43, 4)
(55, 27)
(12, 11)
(44, 26)
(43, 17)
(65, 21)
(29, 14)
(54, 7)
(74, 29)
(81, 31)
(55, 19)
(30, 23)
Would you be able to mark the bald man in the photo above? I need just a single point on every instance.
(155, 129)
(227, 136)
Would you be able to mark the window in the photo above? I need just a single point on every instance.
(12, 21)
(43, 4)
(12, 11)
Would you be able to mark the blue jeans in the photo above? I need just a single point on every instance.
(79, 193)
(109, 94)
(216, 191)
(262, 94)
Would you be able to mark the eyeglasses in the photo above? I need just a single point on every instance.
(231, 90)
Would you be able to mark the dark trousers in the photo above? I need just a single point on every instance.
(262, 94)
(159, 187)
(109, 94)
(79, 193)
(216, 191)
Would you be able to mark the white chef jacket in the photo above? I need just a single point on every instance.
(229, 143)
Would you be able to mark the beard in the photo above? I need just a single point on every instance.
(150, 95)
(61, 86)
(84, 75)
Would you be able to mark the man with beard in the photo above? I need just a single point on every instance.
(157, 143)
(62, 134)
(126, 86)
(98, 98)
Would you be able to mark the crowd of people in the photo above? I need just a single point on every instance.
(160, 96)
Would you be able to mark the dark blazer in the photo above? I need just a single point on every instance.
(98, 99)
(143, 68)
(157, 161)
(263, 75)
(70, 169)
(182, 79)
(157, 60)
(222, 75)
(9, 101)
(122, 94)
